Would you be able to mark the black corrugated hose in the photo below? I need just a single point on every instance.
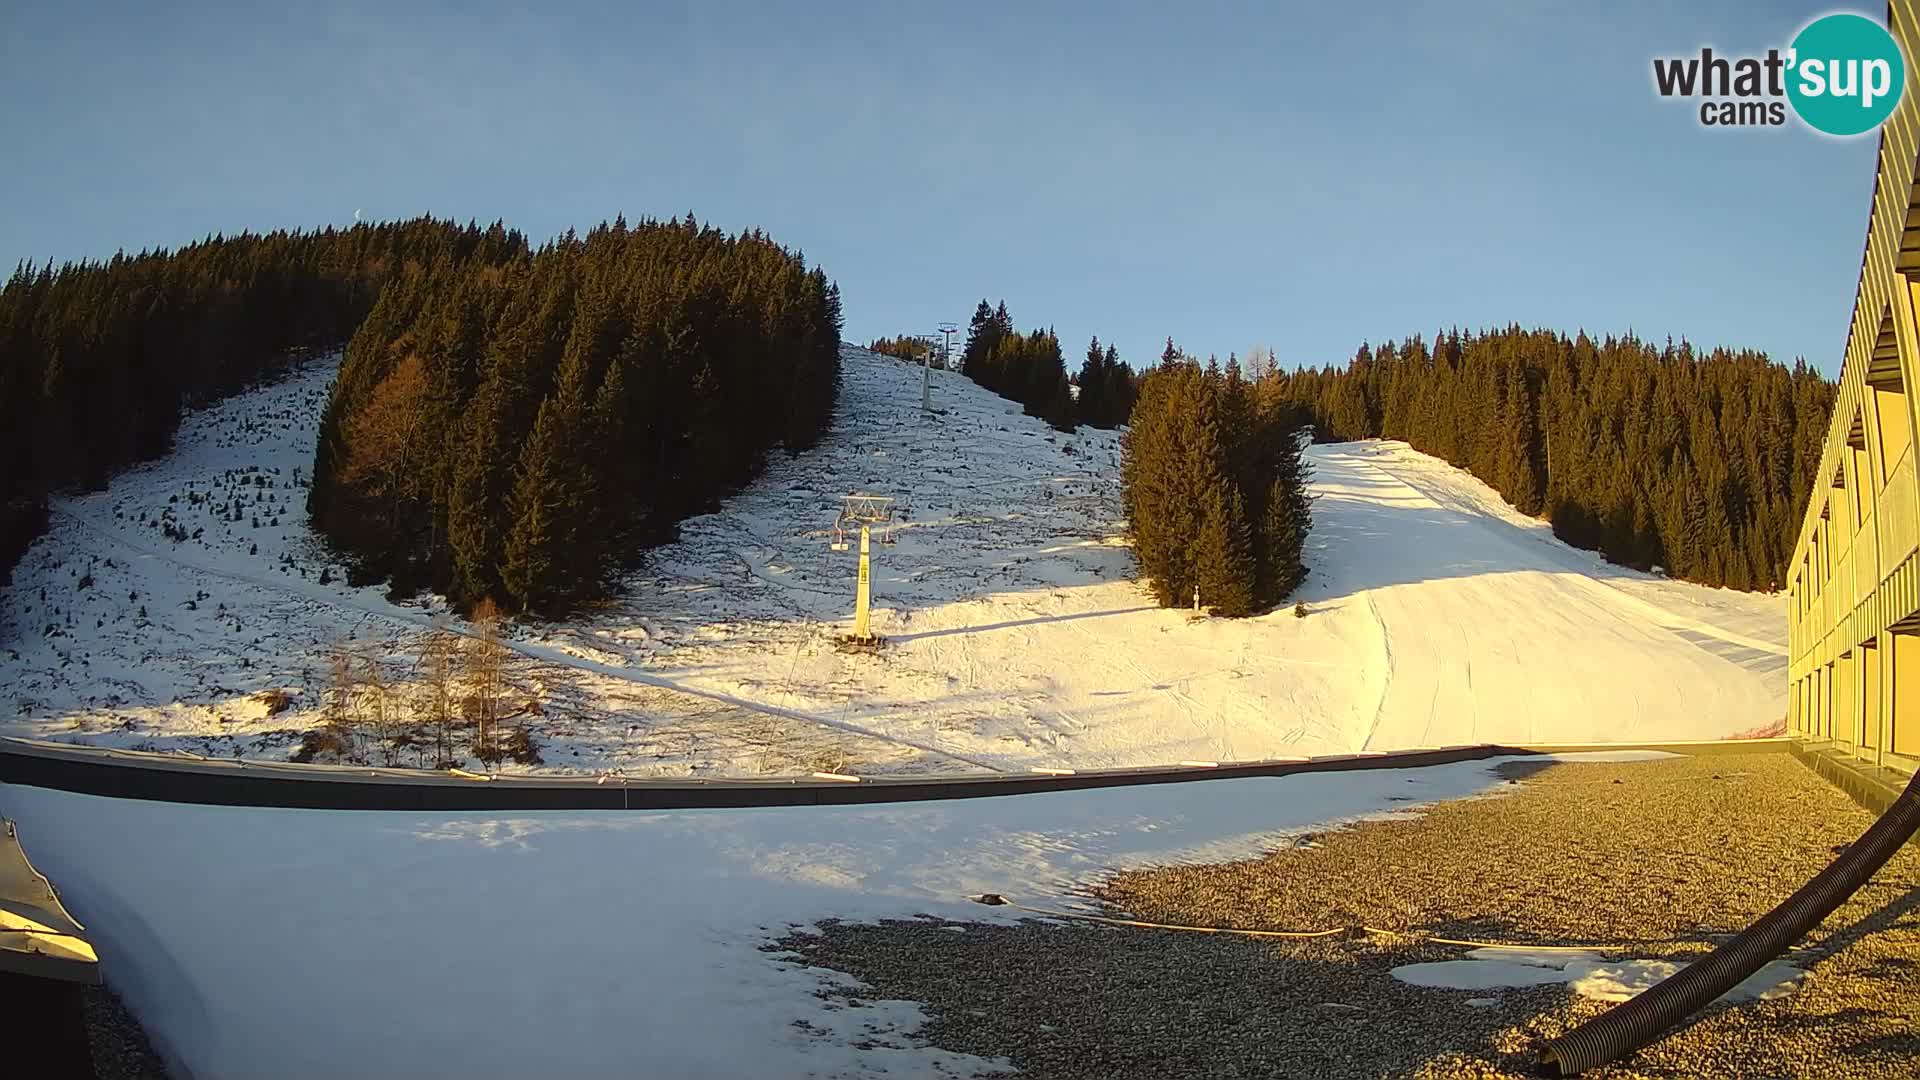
(1633, 1024)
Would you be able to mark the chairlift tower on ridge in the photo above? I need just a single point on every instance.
(925, 342)
(947, 330)
(866, 512)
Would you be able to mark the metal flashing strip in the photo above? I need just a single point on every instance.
(130, 774)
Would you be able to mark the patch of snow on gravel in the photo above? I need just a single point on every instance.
(1586, 973)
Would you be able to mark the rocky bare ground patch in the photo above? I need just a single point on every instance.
(1647, 859)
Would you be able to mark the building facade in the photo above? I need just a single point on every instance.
(1854, 583)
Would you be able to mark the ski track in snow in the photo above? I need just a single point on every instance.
(1437, 614)
(1589, 570)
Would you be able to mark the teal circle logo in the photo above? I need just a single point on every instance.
(1845, 74)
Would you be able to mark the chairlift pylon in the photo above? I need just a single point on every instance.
(870, 514)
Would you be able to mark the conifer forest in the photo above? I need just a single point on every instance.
(1215, 489)
(97, 359)
(517, 430)
(515, 424)
(1697, 462)
(508, 423)
(1030, 369)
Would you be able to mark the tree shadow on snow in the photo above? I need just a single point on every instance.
(1015, 623)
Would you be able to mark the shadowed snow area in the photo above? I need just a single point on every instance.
(1016, 639)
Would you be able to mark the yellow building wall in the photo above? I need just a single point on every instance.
(1869, 711)
(1853, 608)
(1905, 695)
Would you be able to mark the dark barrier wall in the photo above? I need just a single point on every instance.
(172, 778)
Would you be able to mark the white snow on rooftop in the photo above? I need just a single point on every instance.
(321, 944)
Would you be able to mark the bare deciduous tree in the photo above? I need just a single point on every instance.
(439, 663)
(1260, 362)
(385, 715)
(338, 734)
(486, 674)
(338, 704)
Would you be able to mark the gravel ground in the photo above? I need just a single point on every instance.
(119, 1045)
(1648, 859)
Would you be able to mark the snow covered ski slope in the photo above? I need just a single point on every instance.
(1490, 630)
(1016, 637)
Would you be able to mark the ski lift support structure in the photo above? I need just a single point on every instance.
(863, 512)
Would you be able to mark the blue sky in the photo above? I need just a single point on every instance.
(1222, 173)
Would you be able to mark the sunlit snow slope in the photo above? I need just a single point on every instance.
(1016, 637)
(1490, 630)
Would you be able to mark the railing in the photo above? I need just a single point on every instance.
(131, 774)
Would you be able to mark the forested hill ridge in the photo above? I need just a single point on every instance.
(1030, 369)
(514, 431)
(1698, 462)
(97, 359)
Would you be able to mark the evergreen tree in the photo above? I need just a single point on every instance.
(1157, 490)
(983, 333)
(606, 521)
(1196, 439)
(534, 558)
(1223, 552)
(1091, 406)
(1118, 396)
(474, 534)
(545, 564)
(1046, 391)
(1285, 533)
(1519, 436)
